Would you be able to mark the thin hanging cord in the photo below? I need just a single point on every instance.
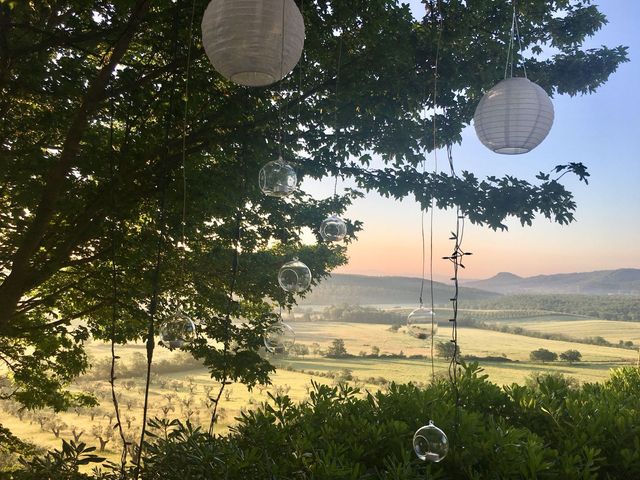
(300, 71)
(155, 278)
(114, 289)
(456, 259)
(515, 14)
(335, 120)
(183, 221)
(509, 61)
(280, 100)
(232, 287)
(508, 66)
(435, 171)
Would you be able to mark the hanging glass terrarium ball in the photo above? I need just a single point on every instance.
(430, 443)
(422, 323)
(279, 338)
(277, 178)
(333, 229)
(513, 117)
(253, 42)
(177, 331)
(294, 276)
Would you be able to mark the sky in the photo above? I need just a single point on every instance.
(601, 130)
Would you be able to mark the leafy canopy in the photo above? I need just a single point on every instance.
(92, 106)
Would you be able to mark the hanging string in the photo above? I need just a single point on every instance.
(432, 202)
(515, 16)
(515, 35)
(456, 258)
(155, 278)
(183, 221)
(114, 291)
(281, 89)
(300, 71)
(509, 62)
(336, 100)
(232, 286)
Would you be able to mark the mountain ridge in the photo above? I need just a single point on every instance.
(621, 281)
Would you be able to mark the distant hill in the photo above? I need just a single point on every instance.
(366, 290)
(604, 282)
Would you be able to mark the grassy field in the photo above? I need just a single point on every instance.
(611, 330)
(181, 389)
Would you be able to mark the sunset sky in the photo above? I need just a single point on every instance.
(601, 130)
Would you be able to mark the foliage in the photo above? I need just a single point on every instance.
(446, 349)
(549, 428)
(543, 355)
(571, 356)
(608, 307)
(337, 349)
(91, 162)
(63, 464)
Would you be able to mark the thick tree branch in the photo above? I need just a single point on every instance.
(13, 287)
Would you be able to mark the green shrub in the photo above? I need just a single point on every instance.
(551, 427)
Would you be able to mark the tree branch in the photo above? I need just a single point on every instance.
(13, 287)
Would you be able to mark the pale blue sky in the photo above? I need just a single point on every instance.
(601, 130)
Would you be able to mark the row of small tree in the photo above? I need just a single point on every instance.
(543, 355)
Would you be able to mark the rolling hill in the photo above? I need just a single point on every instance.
(366, 290)
(623, 281)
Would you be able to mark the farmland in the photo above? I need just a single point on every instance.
(181, 388)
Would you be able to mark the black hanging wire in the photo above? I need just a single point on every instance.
(164, 173)
(456, 259)
(232, 287)
(336, 100)
(432, 203)
(114, 291)
(183, 220)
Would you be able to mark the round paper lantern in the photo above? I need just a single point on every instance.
(177, 331)
(513, 117)
(430, 443)
(421, 323)
(279, 338)
(333, 229)
(294, 276)
(244, 39)
(277, 179)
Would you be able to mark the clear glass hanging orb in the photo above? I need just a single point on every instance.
(279, 338)
(177, 331)
(422, 323)
(430, 443)
(277, 179)
(294, 276)
(333, 229)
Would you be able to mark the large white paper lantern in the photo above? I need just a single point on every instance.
(244, 39)
(513, 117)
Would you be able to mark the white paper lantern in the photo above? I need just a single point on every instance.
(513, 117)
(244, 39)
(294, 276)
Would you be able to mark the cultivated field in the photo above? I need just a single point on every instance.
(181, 388)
